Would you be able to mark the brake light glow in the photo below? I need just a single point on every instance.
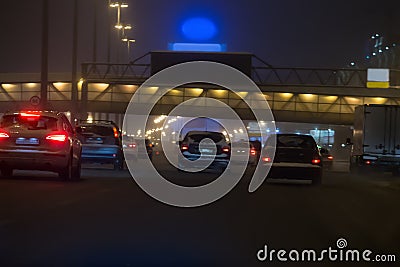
(316, 161)
(368, 162)
(330, 157)
(29, 116)
(266, 159)
(115, 132)
(184, 147)
(132, 145)
(3, 134)
(253, 152)
(57, 137)
(225, 149)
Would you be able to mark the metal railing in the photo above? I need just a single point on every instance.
(262, 74)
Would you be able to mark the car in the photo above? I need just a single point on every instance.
(242, 149)
(296, 157)
(327, 158)
(101, 143)
(39, 140)
(145, 149)
(130, 148)
(191, 151)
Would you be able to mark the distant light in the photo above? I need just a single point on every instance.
(352, 63)
(387, 47)
(373, 37)
(277, 130)
(367, 57)
(380, 51)
(377, 35)
(199, 29)
(374, 54)
(197, 47)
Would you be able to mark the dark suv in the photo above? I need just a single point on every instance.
(190, 149)
(101, 143)
(296, 157)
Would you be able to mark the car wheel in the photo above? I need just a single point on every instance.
(6, 172)
(66, 173)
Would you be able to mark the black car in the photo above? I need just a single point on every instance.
(39, 140)
(296, 157)
(101, 143)
(191, 150)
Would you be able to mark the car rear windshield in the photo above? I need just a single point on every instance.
(30, 123)
(296, 141)
(96, 130)
(216, 137)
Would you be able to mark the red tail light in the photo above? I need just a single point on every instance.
(115, 132)
(3, 134)
(253, 152)
(266, 159)
(184, 147)
(368, 162)
(30, 115)
(316, 161)
(57, 137)
(132, 145)
(226, 149)
(330, 157)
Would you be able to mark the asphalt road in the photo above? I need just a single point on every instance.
(106, 219)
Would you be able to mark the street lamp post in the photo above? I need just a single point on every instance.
(118, 6)
(123, 27)
(128, 43)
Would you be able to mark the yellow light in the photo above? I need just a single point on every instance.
(308, 97)
(242, 94)
(353, 100)
(99, 86)
(118, 26)
(8, 86)
(195, 91)
(31, 85)
(286, 95)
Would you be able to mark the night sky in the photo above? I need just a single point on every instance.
(290, 33)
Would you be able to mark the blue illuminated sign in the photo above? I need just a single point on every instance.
(200, 47)
(199, 29)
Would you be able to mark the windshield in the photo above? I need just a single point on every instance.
(30, 123)
(216, 137)
(96, 130)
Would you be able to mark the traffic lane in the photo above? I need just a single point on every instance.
(104, 219)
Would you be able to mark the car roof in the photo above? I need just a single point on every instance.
(98, 123)
(201, 132)
(47, 113)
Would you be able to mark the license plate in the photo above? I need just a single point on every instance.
(205, 150)
(27, 141)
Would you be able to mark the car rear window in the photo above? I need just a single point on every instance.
(216, 137)
(298, 141)
(30, 123)
(96, 129)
